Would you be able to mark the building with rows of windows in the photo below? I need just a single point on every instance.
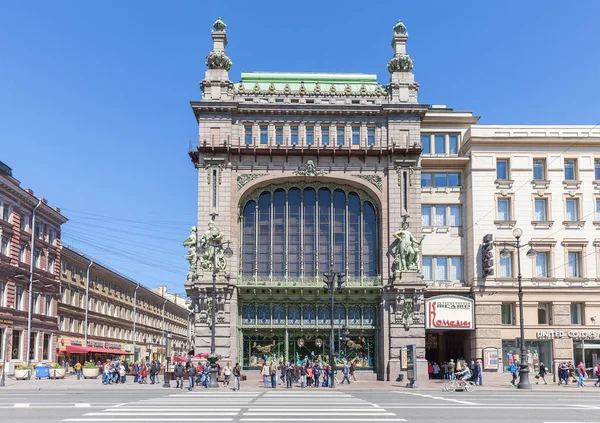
(307, 172)
(124, 318)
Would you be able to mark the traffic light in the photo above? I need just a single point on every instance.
(487, 255)
(340, 281)
(328, 280)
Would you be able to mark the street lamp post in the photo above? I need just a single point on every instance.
(216, 244)
(505, 253)
(330, 280)
(167, 382)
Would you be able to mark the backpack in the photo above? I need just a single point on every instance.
(598, 370)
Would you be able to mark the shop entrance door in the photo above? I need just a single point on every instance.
(441, 346)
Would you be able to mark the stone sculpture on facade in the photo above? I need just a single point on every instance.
(309, 169)
(191, 242)
(211, 243)
(407, 312)
(406, 252)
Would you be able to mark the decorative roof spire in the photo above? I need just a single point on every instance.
(401, 62)
(217, 59)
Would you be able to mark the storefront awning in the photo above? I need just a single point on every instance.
(76, 349)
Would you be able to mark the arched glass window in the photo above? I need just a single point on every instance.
(298, 233)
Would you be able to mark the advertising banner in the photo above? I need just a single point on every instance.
(451, 312)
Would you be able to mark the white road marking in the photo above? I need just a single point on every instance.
(315, 410)
(191, 408)
(312, 419)
(330, 413)
(21, 405)
(82, 404)
(168, 413)
(437, 398)
(197, 419)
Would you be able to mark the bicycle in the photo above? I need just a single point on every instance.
(455, 384)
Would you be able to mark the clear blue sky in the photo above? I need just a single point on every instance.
(94, 111)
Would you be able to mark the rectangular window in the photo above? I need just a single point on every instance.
(440, 143)
(48, 305)
(33, 346)
(35, 303)
(441, 268)
(294, 134)
(426, 143)
(22, 253)
(36, 257)
(426, 215)
(440, 216)
(64, 267)
(340, 135)
(539, 169)
(543, 310)
(310, 135)
(24, 221)
(279, 135)
(454, 179)
(541, 265)
(2, 344)
(370, 136)
(440, 179)
(455, 216)
(502, 170)
(576, 313)
(503, 209)
(506, 267)
(597, 170)
(427, 268)
(574, 264)
(355, 135)
(570, 170)
(38, 230)
(16, 345)
(426, 180)
(248, 134)
(51, 236)
(264, 135)
(571, 209)
(540, 210)
(5, 212)
(597, 209)
(456, 268)
(325, 135)
(4, 246)
(46, 351)
(507, 311)
(50, 268)
(453, 144)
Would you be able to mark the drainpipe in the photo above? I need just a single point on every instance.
(163, 327)
(31, 282)
(134, 316)
(87, 301)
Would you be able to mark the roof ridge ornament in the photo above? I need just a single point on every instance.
(219, 25)
(399, 28)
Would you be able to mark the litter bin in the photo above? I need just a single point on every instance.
(42, 371)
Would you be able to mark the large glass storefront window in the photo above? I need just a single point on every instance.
(259, 347)
(297, 232)
(537, 352)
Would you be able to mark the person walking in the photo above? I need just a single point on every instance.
(192, 373)
(283, 369)
(597, 383)
(563, 373)
(479, 380)
(353, 371)
(179, 373)
(226, 375)
(237, 374)
(430, 370)
(451, 369)
(273, 368)
(436, 371)
(78, 370)
(266, 374)
(302, 377)
(289, 376)
(512, 368)
(345, 372)
(541, 374)
(580, 371)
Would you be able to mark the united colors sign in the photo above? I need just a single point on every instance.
(449, 312)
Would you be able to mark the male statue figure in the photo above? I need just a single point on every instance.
(406, 254)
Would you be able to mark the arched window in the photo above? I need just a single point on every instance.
(296, 233)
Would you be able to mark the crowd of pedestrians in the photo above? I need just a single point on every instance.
(308, 374)
(448, 370)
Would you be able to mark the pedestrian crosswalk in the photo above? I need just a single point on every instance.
(252, 406)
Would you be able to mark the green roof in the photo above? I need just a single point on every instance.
(278, 81)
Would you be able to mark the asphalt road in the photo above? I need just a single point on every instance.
(112, 404)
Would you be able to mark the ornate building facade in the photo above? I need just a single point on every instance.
(303, 173)
(413, 203)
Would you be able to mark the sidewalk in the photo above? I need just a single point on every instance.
(491, 382)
